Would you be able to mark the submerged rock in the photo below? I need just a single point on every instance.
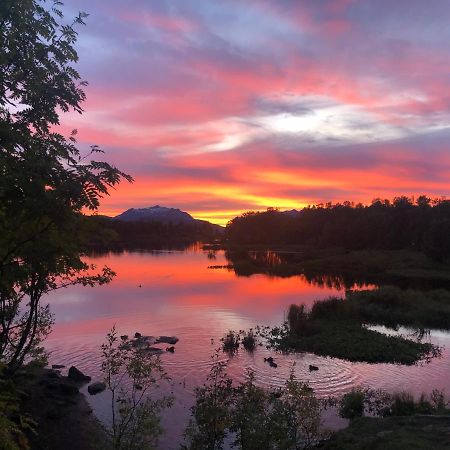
(78, 376)
(172, 340)
(96, 388)
(271, 362)
(154, 350)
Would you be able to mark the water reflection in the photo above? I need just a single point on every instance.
(174, 293)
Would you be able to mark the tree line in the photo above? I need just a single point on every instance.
(103, 232)
(403, 223)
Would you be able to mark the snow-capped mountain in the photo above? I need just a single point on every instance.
(156, 213)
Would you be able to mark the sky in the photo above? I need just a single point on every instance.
(218, 107)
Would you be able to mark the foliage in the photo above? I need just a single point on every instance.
(250, 417)
(249, 340)
(336, 328)
(351, 404)
(106, 233)
(132, 374)
(393, 433)
(230, 342)
(211, 412)
(14, 425)
(45, 181)
(362, 401)
(402, 223)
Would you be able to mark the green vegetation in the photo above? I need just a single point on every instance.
(337, 267)
(351, 404)
(251, 417)
(336, 328)
(14, 424)
(232, 340)
(249, 340)
(45, 184)
(404, 223)
(404, 423)
(392, 307)
(393, 433)
(132, 374)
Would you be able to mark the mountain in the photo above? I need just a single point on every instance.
(291, 212)
(156, 214)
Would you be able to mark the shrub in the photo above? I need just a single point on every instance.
(351, 404)
(230, 342)
(298, 320)
(249, 340)
(132, 373)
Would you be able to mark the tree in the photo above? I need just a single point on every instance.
(45, 181)
(131, 373)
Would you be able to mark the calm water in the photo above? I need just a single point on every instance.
(181, 296)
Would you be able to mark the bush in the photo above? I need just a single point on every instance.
(351, 404)
(230, 342)
(249, 340)
(132, 374)
(298, 320)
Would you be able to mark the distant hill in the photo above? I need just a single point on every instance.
(155, 226)
(157, 214)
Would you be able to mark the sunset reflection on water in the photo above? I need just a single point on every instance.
(175, 293)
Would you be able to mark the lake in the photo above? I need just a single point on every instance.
(176, 293)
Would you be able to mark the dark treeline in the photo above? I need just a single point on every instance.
(403, 223)
(104, 232)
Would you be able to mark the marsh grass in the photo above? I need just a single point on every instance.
(337, 327)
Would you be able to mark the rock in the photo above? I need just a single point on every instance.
(68, 388)
(53, 374)
(172, 340)
(142, 340)
(78, 376)
(124, 337)
(137, 335)
(313, 368)
(96, 388)
(271, 361)
(154, 350)
(170, 349)
(58, 366)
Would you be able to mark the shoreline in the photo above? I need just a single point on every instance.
(64, 419)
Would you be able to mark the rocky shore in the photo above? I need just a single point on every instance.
(63, 417)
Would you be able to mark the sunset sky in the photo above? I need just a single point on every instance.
(222, 106)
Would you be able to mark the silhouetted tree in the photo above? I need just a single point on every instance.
(400, 224)
(45, 182)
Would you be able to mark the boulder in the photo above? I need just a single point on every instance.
(141, 341)
(96, 388)
(154, 350)
(271, 362)
(78, 376)
(171, 340)
(53, 374)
